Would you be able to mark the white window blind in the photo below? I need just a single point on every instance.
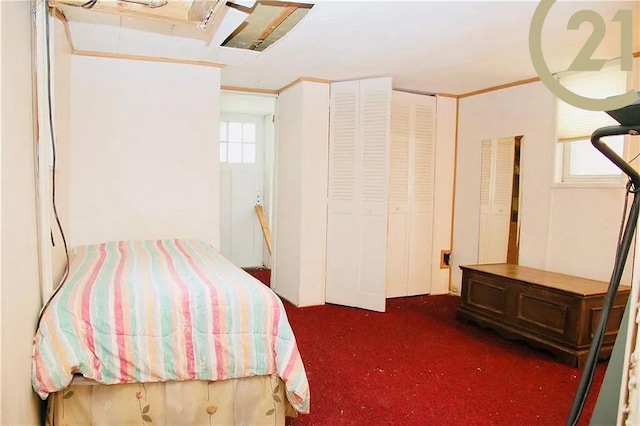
(576, 123)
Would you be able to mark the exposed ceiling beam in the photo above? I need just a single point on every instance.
(173, 11)
(65, 22)
(273, 25)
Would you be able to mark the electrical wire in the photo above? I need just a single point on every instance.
(53, 160)
(89, 4)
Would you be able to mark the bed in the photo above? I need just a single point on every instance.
(165, 332)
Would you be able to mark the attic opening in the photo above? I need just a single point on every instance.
(267, 23)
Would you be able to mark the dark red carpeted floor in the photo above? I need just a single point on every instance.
(263, 274)
(417, 365)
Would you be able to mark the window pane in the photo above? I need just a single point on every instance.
(235, 153)
(235, 132)
(223, 152)
(223, 130)
(248, 153)
(585, 160)
(248, 132)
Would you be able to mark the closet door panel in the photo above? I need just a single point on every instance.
(420, 243)
(343, 218)
(399, 152)
(375, 109)
(398, 226)
(343, 259)
(344, 164)
(397, 255)
(373, 251)
(358, 187)
(421, 190)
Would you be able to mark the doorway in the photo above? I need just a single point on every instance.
(241, 188)
(246, 138)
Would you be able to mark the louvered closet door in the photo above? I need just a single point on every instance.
(421, 194)
(358, 178)
(411, 189)
(398, 226)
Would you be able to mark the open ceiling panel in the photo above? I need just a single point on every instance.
(268, 22)
(195, 12)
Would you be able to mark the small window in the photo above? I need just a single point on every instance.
(235, 153)
(578, 160)
(237, 142)
(235, 132)
(223, 131)
(249, 132)
(584, 163)
(223, 152)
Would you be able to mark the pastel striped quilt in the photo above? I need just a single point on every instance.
(149, 311)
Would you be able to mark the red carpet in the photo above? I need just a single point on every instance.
(263, 274)
(417, 365)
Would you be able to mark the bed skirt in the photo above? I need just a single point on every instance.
(258, 400)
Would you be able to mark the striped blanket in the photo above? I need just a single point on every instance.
(149, 311)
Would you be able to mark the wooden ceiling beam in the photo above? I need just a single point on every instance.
(174, 11)
(273, 25)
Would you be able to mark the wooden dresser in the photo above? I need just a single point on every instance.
(553, 311)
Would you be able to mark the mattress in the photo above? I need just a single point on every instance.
(159, 311)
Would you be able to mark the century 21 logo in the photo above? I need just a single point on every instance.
(584, 60)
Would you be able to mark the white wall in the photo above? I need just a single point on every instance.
(523, 110)
(19, 285)
(444, 166)
(563, 229)
(247, 102)
(302, 145)
(143, 151)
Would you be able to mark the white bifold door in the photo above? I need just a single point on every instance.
(381, 193)
(358, 193)
(411, 194)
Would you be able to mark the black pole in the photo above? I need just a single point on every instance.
(620, 260)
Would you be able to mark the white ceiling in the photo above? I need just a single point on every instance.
(427, 46)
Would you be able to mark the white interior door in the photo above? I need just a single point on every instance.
(241, 180)
(358, 180)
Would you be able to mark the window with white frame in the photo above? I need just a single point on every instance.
(237, 142)
(581, 162)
